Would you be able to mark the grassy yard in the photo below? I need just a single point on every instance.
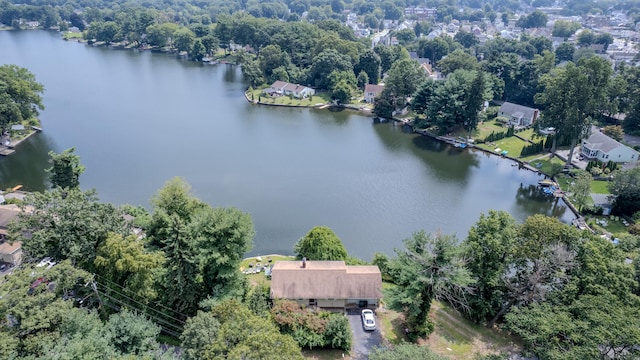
(459, 338)
(486, 128)
(545, 164)
(512, 144)
(599, 187)
(319, 98)
(614, 225)
(71, 35)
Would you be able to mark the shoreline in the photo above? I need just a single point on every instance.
(11, 148)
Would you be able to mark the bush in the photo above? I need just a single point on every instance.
(312, 329)
(595, 171)
(636, 216)
(634, 229)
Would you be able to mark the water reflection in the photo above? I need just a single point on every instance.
(27, 164)
(534, 200)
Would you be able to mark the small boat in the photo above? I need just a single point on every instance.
(547, 183)
(36, 128)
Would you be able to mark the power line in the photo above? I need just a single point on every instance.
(141, 304)
(166, 329)
(175, 313)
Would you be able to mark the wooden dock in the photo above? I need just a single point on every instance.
(5, 151)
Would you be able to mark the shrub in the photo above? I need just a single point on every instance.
(595, 171)
(634, 229)
(312, 329)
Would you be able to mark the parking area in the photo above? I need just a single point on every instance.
(363, 341)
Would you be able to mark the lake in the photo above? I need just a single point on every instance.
(138, 119)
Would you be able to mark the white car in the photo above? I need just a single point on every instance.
(368, 320)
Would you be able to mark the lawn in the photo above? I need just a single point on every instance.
(614, 225)
(459, 338)
(512, 144)
(319, 98)
(71, 35)
(486, 128)
(545, 164)
(600, 187)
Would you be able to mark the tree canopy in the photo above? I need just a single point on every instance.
(19, 96)
(320, 243)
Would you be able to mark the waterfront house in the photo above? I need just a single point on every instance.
(282, 88)
(371, 92)
(601, 147)
(518, 115)
(330, 285)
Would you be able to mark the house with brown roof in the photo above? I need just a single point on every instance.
(371, 92)
(9, 253)
(330, 285)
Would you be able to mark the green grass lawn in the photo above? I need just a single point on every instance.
(546, 164)
(319, 98)
(265, 260)
(71, 35)
(512, 144)
(486, 128)
(458, 338)
(599, 187)
(614, 225)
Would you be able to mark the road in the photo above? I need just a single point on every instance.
(363, 341)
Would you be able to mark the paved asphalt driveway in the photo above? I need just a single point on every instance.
(363, 341)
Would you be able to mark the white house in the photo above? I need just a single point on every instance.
(371, 92)
(327, 284)
(518, 115)
(280, 88)
(600, 146)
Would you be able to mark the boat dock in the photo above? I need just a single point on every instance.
(5, 151)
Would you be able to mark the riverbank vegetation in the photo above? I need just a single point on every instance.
(126, 274)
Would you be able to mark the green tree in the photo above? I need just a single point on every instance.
(362, 80)
(243, 335)
(325, 63)
(221, 238)
(132, 334)
(66, 169)
(320, 243)
(466, 39)
(197, 51)
(581, 188)
(458, 59)
(404, 78)
(125, 261)
(565, 28)
(534, 20)
(586, 38)
(19, 96)
(541, 264)
(565, 52)
(614, 131)
(429, 267)
(199, 331)
(65, 224)
(183, 39)
(625, 186)
(433, 50)
(572, 96)
(370, 63)
(488, 247)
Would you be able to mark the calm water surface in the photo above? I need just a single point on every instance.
(139, 119)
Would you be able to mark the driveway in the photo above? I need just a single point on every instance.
(363, 341)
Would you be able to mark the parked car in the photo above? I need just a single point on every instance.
(3, 266)
(368, 320)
